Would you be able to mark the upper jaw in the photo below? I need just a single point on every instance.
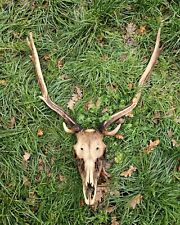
(89, 192)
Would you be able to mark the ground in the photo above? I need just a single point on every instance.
(102, 47)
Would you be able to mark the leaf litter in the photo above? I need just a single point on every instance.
(151, 146)
(135, 201)
(76, 96)
(129, 172)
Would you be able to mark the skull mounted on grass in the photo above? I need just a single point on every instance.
(90, 147)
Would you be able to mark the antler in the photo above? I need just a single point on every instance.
(45, 97)
(135, 100)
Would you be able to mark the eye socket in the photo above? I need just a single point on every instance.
(97, 148)
(82, 149)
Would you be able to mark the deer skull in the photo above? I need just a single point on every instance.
(90, 148)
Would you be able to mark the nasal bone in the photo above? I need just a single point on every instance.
(89, 173)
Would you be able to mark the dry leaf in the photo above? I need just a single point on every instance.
(170, 133)
(39, 132)
(46, 57)
(59, 63)
(89, 105)
(26, 181)
(129, 172)
(156, 117)
(62, 178)
(130, 86)
(101, 190)
(104, 57)
(175, 143)
(98, 103)
(3, 82)
(135, 201)
(170, 112)
(130, 114)
(110, 209)
(26, 156)
(152, 144)
(105, 110)
(114, 221)
(130, 29)
(12, 122)
(77, 95)
(82, 202)
(119, 136)
(40, 165)
(64, 77)
(142, 30)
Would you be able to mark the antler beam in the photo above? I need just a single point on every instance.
(45, 97)
(135, 100)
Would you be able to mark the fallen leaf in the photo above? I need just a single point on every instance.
(110, 209)
(46, 57)
(62, 178)
(130, 29)
(129, 172)
(170, 133)
(101, 190)
(114, 221)
(156, 117)
(104, 57)
(77, 95)
(64, 77)
(170, 112)
(40, 132)
(59, 63)
(26, 156)
(135, 201)
(82, 202)
(130, 86)
(175, 143)
(12, 122)
(40, 165)
(119, 136)
(142, 30)
(3, 82)
(26, 181)
(98, 103)
(130, 114)
(105, 110)
(89, 105)
(152, 144)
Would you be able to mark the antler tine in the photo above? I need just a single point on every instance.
(137, 96)
(45, 97)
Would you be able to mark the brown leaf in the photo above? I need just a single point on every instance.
(105, 110)
(152, 144)
(82, 202)
(46, 57)
(12, 122)
(26, 181)
(130, 86)
(101, 190)
(3, 82)
(170, 112)
(110, 209)
(130, 114)
(104, 57)
(119, 136)
(62, 178)
(26, 156)
(156, 117)
(77, 95)
(114, 221)
(98, 103)
(129, 172)
(40, 132)
(40, 165)
(59, 63)
(64, 77)
(135, 201)
(175, 143)
(89, 105)
(170, 133)
(142, 30)
(130, 29)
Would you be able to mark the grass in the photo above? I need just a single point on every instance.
(88, 37)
